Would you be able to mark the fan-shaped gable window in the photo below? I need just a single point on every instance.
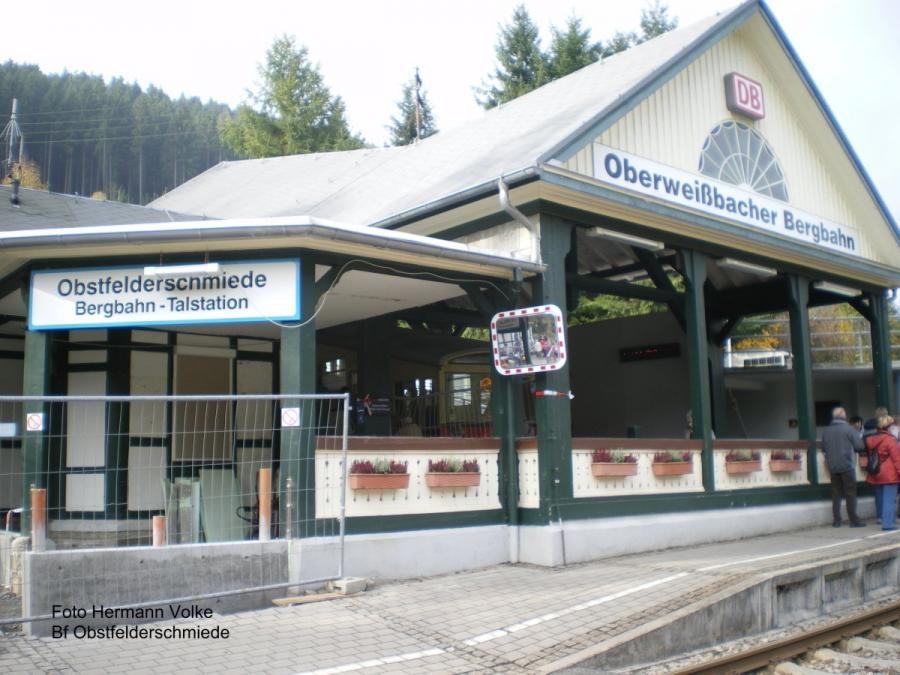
(737, 154)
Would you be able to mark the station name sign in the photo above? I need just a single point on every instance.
(137, 296)
(721, 200)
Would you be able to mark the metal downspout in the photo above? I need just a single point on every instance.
(521, 218)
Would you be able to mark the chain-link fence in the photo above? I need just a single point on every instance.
(160, 475)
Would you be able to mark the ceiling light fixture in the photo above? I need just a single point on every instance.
(837, 289)
(750, 268)
(628, 239)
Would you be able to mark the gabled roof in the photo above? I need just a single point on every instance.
(370, 186)
(42, 209)
(526, 140)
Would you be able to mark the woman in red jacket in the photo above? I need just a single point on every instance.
(888, 476)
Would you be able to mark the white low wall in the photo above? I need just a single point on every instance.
(578, 541)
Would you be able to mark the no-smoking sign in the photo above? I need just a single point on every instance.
(290, 417)
(34, 422)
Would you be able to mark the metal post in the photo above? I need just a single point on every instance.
(343, 508)
(38, 519)
(159, 530)
(288, 506)
(265, 504)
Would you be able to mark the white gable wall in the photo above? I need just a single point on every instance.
(671, 125)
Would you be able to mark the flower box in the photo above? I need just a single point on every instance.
(785, 465)
(672, 468)
(439, 479)
(743, 466)
(378, 481)
(614, 469)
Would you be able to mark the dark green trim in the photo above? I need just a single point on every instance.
(17, 280)
(694, 270)
(118, 381)
(553, 414)
(426, 521)
(643, 505)
(298, 375)
(798, 301)
(882, 363)
(661, 280)
(507, 412)
(36, 382)
(623, 289)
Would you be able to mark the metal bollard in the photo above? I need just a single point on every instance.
(38, 519)
(159, 530)
(265, 504)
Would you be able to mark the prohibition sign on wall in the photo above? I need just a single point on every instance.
(34, 422)
(290, 417)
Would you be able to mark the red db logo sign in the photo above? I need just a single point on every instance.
(744, 96)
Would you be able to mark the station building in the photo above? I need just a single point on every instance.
(700, 170)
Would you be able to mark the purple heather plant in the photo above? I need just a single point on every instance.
(378, 466)
(607, 456)
(453, 466)
(671, 456)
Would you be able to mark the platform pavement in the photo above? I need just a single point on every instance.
(503, 619)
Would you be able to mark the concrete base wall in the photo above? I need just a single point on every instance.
(126, 577)
(402, 555)
(583, 540)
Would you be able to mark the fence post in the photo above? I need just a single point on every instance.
(288, 506)
(159, 530)
(265, 504)
(38, 519)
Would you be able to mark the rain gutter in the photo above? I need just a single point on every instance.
(257, 229)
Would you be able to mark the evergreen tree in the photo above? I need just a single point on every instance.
(86, 136)
(413, 122)
(295, 112)
(619, 42)
(571, 49)
(521, 65)
(655, 21)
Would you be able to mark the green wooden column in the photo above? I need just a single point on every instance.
(298, 444)
(798, 303)
(506, 418)
(35, 382)
(882, 365)
(507, 405)
(553, 414)
(118, 382)
(375, 372)
(695, 267)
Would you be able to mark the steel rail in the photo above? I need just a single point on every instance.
(756, 658)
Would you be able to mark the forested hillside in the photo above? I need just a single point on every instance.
(86, 135)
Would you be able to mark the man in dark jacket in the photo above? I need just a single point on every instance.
(841, 442)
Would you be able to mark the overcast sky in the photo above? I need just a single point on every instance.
(367, 50)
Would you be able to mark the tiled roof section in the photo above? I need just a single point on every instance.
(38, 209)
(367, 186)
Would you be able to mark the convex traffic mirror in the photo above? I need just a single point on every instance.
(528, 340)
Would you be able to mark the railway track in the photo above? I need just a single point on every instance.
(865, 643)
